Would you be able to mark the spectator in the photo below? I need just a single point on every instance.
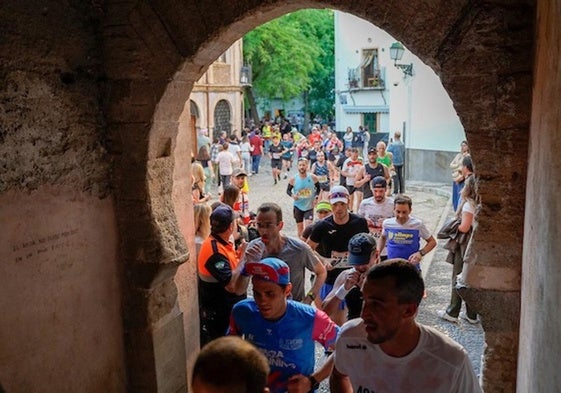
(201, 213)
(203, 157)
(225, 161)
(245, 150)
(241, 368)
(348, 138)
(466, 213)
(396, 353)
(397, 148)
(220, 285)
(257, 151)
(197, 189)
(458, 178)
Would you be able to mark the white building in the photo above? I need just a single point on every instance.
(372, 92)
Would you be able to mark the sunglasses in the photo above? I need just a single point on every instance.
(338, 195)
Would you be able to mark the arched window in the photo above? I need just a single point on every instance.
(222, 117)
(194, 109)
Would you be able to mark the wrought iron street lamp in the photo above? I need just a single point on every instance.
(396, 53)
(245, 75)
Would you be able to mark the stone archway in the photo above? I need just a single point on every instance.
(484, 66)
(94, 147)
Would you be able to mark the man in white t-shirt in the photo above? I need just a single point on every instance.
(225, 161)
(376, 209)
(402, 234)
(386, 350)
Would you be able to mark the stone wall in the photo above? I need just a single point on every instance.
(540, 342)
(61, 326)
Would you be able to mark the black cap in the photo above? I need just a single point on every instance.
(221, 218)
(372, 149)
(361, 247)
(378, 182)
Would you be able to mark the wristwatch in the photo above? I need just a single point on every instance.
(422, 252)
(311, 295)
(314, 382)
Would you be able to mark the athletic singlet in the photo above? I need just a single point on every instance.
(306, 192)
(373, 172)
(322, 172)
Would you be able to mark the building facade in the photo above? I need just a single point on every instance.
(216, 101)
(372, 92)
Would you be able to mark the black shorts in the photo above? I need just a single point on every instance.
(276, 164)
(352, 189)
(300, 215)
(324, 186)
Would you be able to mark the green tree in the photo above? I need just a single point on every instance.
(292, 56)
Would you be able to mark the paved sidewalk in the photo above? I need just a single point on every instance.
(432, 204)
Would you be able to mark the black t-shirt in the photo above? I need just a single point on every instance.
(276, 151)
(333, 237)
(373, 172)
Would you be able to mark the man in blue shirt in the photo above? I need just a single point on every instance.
(284, 330)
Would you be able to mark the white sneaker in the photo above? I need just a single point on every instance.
(447, 317)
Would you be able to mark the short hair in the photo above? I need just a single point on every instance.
(468, 163)
(271, 207)
(401, 199)
(408, 282)
(233, 365)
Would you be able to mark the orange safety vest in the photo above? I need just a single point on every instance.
(215, 245)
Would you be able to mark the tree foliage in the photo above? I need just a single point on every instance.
(292, 55)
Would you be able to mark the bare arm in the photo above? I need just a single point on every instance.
(339, 383)
(321, 275)
(467, 221)
(331, 302)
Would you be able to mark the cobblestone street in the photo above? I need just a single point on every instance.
(431, 203)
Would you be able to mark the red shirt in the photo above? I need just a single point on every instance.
(257, 142)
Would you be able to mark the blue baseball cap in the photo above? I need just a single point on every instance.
(269, 269)
(361, 247)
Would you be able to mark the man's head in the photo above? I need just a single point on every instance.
(381, 147)
(467, 166)
(271, 286)
(378, 186)
(392, 292)
(320, 157)
(339, 200)
(397, 135)
(402, 206)
(302, 165)
(238, 177)
(269, 221)
(354, 153)
(241, 366)
(362, 251)
(221, 219)
(372, 155)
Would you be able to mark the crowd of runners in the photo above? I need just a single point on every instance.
(355, 234)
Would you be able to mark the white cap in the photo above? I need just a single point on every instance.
(338, 194)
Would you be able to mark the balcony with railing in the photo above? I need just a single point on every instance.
(360, 78)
